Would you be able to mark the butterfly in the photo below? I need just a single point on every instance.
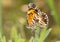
(35, 17)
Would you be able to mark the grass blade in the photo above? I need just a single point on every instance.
(37, 33)
(42, 34)
(3, 39)
(0, 20)
(47, 33)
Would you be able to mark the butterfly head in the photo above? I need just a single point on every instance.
(31, 5)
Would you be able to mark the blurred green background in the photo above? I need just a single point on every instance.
(14, 14)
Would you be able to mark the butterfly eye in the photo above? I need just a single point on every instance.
(31, 5)
(36, 10)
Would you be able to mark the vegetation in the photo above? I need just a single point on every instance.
(12, 18)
